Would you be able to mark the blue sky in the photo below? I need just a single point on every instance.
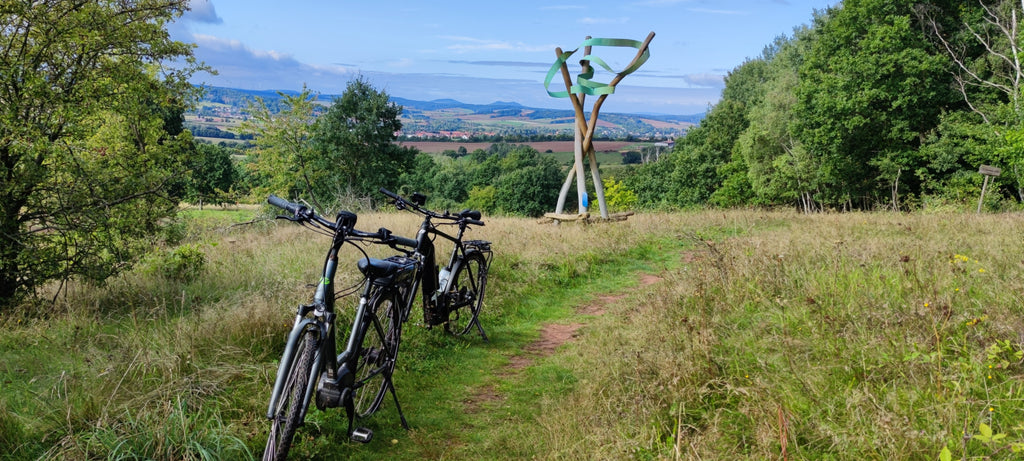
(481, 51)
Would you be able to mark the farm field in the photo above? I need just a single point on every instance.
(436, 147)
(700, 335)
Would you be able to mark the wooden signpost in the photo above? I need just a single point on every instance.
(584, 129)
(988, 172)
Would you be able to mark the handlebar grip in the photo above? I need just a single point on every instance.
(474, 222)
(279, 202)
(390, 194)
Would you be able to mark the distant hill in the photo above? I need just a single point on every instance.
(451, 118)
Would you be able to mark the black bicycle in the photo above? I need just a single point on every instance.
(358, 377)
(454, 294)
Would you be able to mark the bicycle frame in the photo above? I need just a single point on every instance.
(433, 311)
(437, 302)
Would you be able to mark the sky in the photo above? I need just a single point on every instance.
(480, 52)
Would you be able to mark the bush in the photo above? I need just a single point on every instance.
(184, 263)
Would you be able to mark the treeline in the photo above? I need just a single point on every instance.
(877, 104)
(205, 131)
(505, 178)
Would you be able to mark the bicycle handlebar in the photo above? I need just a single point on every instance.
(300, 211)
(304, 213)
(471, 217)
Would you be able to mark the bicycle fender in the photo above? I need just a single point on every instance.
(286, 361)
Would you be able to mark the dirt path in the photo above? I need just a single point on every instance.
(552, 336)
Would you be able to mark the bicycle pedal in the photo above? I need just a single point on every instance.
(361, 435)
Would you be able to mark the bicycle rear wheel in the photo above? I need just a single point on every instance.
(377, 354)
(466, 296)
(288, 414)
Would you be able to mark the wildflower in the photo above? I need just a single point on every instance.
(990, 409)
(925, 304)
(982, 270)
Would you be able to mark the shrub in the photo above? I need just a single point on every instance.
(184, 263)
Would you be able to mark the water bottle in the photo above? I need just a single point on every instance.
(443, 279)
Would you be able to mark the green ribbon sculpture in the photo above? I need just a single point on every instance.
(584, 84)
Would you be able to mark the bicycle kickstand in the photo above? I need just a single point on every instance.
(481, 329)
(398, 406)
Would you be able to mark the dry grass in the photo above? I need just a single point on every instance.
(771, 336)
(833, 336)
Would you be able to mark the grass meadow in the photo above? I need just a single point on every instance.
(765, 335)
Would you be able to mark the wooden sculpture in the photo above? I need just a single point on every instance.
(583, 128)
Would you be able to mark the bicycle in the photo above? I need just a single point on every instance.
(359, 377)
(454, 295)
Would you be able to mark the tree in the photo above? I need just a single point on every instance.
(870, 88)
(776, 167)
(986, 48)
(211, 174)
(90, 136)
(528, 182)
(354, 142)
(419, 178)
(283, 160)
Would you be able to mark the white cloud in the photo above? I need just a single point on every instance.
(240, 66)
(202, 11)
(705, 80)
(589, 20)
(468, 44)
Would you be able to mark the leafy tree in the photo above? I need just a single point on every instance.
(453, 180)
(984, 42)
(690, 174)
(484, 199)
(419, 178)
(775, 165)
(529, 182)
(870, 87)
(704, 150)
(354, 142)
(282, 159)
(212, 174)
(90, 136)
(618, 195)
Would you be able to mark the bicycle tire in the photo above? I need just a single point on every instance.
(378, 352)
(287, 416)
(467, 293)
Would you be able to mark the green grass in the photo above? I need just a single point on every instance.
(769, 336)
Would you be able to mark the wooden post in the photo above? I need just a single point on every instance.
(988, 172)
(581, 179)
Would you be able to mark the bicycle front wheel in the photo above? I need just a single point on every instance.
(289, 410)
(376, 359)
(467, 293)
